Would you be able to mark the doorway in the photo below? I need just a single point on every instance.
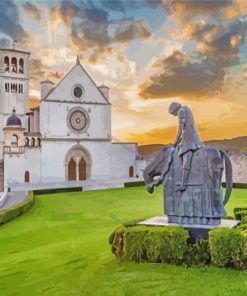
(72, 170)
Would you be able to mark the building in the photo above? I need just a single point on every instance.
(67, 138)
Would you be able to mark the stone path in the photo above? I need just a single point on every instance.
(13, 199)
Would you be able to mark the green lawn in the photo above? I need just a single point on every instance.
(60, 247)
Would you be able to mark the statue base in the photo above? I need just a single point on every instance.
(193, 220)
(196, 231)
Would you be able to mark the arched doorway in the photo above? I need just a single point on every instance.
(131, 171)
(72, 170)
(82, 170)
(27, 177)
(80, 167)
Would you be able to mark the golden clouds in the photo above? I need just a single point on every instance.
(57, 16)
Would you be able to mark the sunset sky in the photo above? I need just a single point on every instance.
(149, 52)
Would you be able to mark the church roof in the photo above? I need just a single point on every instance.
(13, 119)
(47, 81)
(77, 64)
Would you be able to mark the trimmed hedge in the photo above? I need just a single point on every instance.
(197, 254)
(57, 190)
(236, 185)
(155, 244)
(239, 213)
(134, 184)
(13, 212)
(228, 247)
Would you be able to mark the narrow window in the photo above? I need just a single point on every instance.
(14, 65)
(27, 177)
(131, 171)
(6, 87)
(6, 64)
(33, 142)
(28, 123)
(14, 141)
(27, 142)
(21, 66)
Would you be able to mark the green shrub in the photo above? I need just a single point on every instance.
(197, 254)
(155, 244)
(236, 185)
(227, 247)
(57, 190)
(134, 184)
(239, 213)
(13, 212)
(228, 217)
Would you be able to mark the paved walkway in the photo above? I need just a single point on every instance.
(86, 185)
(13, 199)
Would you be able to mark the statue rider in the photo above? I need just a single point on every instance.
(187, 140)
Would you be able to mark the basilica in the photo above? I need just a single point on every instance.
(66, 138)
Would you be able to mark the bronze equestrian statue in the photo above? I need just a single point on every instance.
(191, 175)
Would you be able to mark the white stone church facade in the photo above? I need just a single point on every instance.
(67, 138)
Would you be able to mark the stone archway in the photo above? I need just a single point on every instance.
(78, 164)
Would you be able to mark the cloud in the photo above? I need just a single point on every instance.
(179, 76)
(121, 5)
(37, 70)
(199, 73)
(187, 9)
(131, 30)
(32, 10)
(93, 29)
(10, 22)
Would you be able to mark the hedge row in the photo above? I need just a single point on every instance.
(15, 211)
(134, 184)
(225, 247)
(236, 185)
(57, 190)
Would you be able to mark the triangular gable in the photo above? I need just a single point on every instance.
(77, 76)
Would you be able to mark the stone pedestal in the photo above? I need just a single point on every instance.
(196, 231)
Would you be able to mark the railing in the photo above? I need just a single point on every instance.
(13, 150)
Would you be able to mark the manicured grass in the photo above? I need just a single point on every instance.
(60, 247)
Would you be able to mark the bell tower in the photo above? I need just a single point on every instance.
(14, 88)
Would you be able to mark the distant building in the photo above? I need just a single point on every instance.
(68, 137)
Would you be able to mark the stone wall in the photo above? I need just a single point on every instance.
(239, 166)
(1, 176)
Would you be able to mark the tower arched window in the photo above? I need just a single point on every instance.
(32, 142)
(21, 66)
(14, 141)
(27, 141)
(39, 142)
(14, 65)
(6, 64)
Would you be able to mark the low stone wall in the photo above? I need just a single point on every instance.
(239, 167)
